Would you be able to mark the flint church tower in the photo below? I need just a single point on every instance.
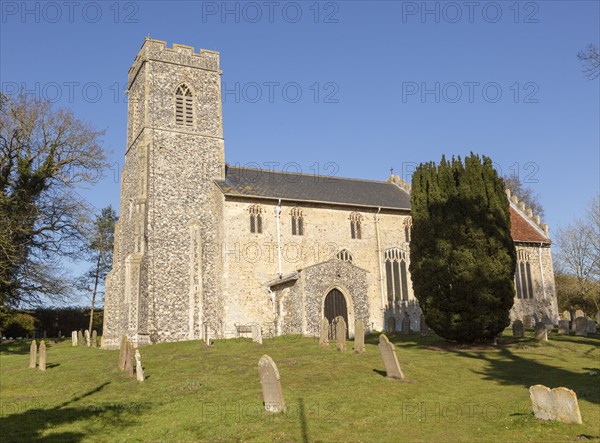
(164, 283)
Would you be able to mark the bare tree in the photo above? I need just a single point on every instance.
(46, 154)
(590, 57)
(578, 253)
(526, 194)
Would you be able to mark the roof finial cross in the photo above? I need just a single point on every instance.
(391, 171)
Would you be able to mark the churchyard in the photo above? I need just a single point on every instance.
(194, 392)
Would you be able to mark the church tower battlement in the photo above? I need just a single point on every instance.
(165, 277)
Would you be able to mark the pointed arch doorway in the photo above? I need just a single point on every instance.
(335, 305)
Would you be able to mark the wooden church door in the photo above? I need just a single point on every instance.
(335, 304)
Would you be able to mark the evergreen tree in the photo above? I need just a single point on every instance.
(462, 255)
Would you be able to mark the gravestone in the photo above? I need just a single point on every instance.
(391, 325)
(528, 321)
(123, 353)
(80, 340)
(324, 337)
(581, 325)
(257, 334)
(87, 338)
(541, 332)
(423, 328)
(270, 382)
(359, 337)
(390, 360)
(206, 334)
(579, 313)
(42, 365)
(563, 327)
(598, 317)
(129, 360)
(139, 371)
(74, 338)
(566, 315)
(44, 334)
(518, 329)
(340, 334)
(558, 404)
(59, 334)
(591, 326)
(406, 324)
(94, 339)
(32, 355)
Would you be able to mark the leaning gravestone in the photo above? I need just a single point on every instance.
(270, 382)
(80, 340)
(123, 353)
(359, 337)
(391, 325)
(406, 324)
(558, 404)
(139, 371)
(591, 326)
(518, 329)
(74, 338)
(581, 325)
(563, 327)
(390, 360)
(541, 332)
(32, 355)
(94, 339)
(324, 336)
(257, 334)
(42, 365)
(340, 334)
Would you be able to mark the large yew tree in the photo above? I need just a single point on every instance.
(462, 255)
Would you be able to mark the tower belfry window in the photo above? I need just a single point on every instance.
(184, 106)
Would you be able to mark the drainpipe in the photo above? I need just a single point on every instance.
(379, 258)
(278, 215)
(542, 270)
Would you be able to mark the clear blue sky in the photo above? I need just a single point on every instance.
(369, 61)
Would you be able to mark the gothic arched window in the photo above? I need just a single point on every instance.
(344, 255)
(184, 106)
(297, 221)
(256, 219)
(356, 225)
(523, 280)
(396, 274)
(407, 229)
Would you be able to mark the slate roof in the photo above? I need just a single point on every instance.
(262, 183)
(521, 230)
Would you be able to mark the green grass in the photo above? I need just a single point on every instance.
(195, 393)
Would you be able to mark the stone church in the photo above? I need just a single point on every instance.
(202, 247)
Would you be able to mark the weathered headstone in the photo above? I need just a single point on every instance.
(591, 326)
(324, 336)
(87, 338)
(129, 360)
(340, 334)
(257, 334)
(359, 337)
(139, 371)
(423, 328)
(541, 332)
(566, 315)
(528, 321)
(558, 404)
(406, 324)
(206, 334)
(80, 340)
(270, 382)
(33, 355)
(42, 364)
(563, 327)
(391, 325)
(123, 353)
(518, 329)
(94, 339)
(390, 360)
(579, 313)
(74, 338)
(59, 334)
(581, 325)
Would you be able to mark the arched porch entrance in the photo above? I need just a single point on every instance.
(335, 305)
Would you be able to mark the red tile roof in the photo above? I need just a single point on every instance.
(521, 229)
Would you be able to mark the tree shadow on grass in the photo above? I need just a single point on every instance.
(505, 367)
(27, 422)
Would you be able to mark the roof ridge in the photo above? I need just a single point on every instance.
(310, 175)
